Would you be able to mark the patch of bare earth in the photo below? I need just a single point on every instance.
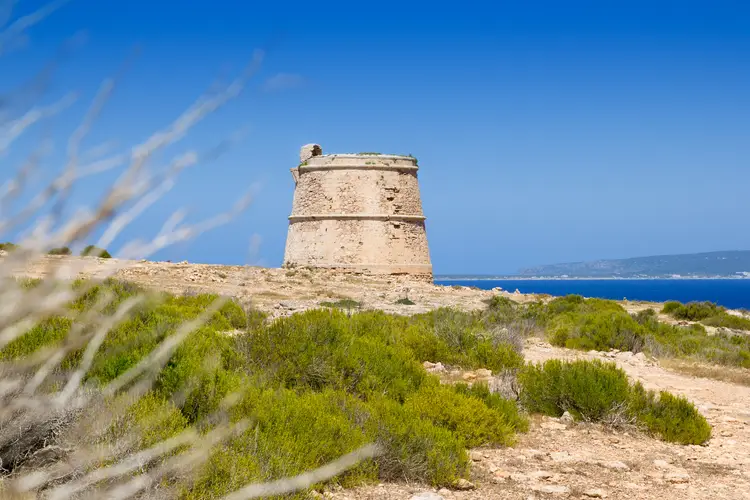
(278, 292)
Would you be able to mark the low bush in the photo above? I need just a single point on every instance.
(601, 330)
(318, 349)
(150, 419)
(8, 246)
(342, 304)
(578, 323)
(600, 392)
(726, 320)
(92, 251)
(493, 400)
(59, 251)
(415, 449)
(47, 332)
(692, 311)
(291, 433)
(671, 418)
(589, 390)
(457, 338)
(406, 301)
(476, 423)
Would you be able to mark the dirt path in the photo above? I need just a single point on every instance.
(562, 460)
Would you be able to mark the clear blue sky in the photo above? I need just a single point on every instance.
(545, 131)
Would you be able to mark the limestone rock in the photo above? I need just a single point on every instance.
(615, 465)
(561, 456)
(433, 367)
(566, 418)
(554, 489)
(662, 464)
(502, 474)
(541, 474)
(677, 477)
(427, 495)
(483, 373)
(476, 456)
(554, 426)
(464, 485)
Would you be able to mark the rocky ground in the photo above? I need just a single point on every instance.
(284, 291)
(556, 458)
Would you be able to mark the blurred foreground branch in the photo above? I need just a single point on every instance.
(50, 416)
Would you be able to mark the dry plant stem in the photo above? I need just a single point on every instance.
(184, 462)
(18, 27)
(88, 356)
(21, 308)
(126, 466)
(307, 479)
(54, 356)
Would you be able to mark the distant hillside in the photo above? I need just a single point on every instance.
(711, 264)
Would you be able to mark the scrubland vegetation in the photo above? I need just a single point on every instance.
(602, 325)
(322, 383)
(89, 250)
(707, 313)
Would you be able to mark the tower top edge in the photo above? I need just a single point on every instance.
(359, 157)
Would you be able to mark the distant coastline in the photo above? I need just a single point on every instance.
(457, 277)
(732, 293)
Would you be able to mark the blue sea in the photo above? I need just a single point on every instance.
(730, 293)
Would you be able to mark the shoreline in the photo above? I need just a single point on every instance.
(608, 278)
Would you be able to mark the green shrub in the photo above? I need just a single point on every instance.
(342, 304)
(646, 317)
(60, 251)
(93, 251)
(45, 333)
(324, 348)
(726, 320)
(496, 402)
(132, 340)
(291, 433)
(671, 418)
(151, 418)
(578, 323)
(692, 311)
(416, 449)
(457, 338)
(470, 418)
(671, 307)
(601, 330)
(8, 246)
(202, 370)
(589, 390)
(406, 301)
(596, 391)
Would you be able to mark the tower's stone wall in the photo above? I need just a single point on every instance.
(358, 212)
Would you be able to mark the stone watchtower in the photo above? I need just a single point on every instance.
(357, 212)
